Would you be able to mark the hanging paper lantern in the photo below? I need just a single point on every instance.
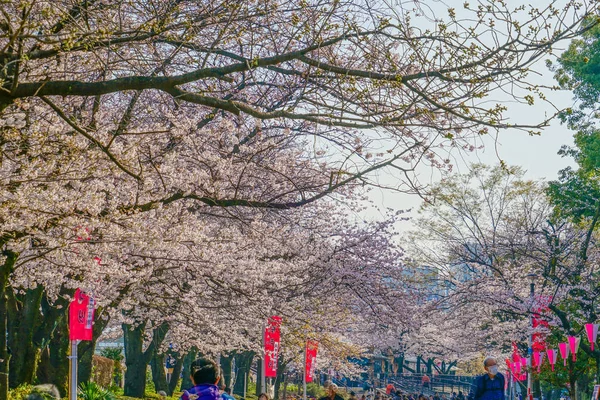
(538, 358)
(564, 351)
(552, 355)
(592, 333)
(518, 368)
(574, 346)
(524, 362)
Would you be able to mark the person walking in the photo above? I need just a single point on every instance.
(225, 392)
(426, 381)
(205, 375)
(332, 394)
(489, 386)
(389, 389)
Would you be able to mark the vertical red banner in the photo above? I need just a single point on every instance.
(272, 342)
(538, 320)
(519, 371)
(311, 360)
(81, 317)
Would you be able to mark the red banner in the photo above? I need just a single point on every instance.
(539, 338)
(519, 369)
(311, 355)
(81, 317)
(272, 341)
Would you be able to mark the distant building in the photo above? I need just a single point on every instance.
(104, 344)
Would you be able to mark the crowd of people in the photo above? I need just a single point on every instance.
(401, 395)
(205, 375)
(206, 378)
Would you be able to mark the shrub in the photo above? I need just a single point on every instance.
(19, 393)
(314, 390)
(46, 391)
(93, 391)
(116, 354)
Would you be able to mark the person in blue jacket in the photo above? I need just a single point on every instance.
(489, 386)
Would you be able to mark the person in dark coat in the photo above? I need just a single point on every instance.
(332, 394)
(489, 386)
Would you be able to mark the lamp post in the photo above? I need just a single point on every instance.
(531, 278)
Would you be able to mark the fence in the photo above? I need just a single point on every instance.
(438, 383)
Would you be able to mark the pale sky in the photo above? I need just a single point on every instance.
(537, 155)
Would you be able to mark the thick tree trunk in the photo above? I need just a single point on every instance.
(86, 349)
(186, 382)
(5, 272)
(226, 361)
(136, 363)
(159, 377)
(54, 364)
(243, 362)
(285, 384)
(280, 376)
(23, 315)
(175, 376)
(400, 363)
(259, 373)
(136, 359)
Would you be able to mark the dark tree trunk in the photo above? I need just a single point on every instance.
(400, 364)
(186, 382)
(597, 357)
(429, 365)
(243, 362)
(175, 376)
(259, 372)
(86, 349)
(281, 365)
(136, 359)
(22, 318)
(285, 384)
(135, 375)
(537, 389)
(5, 272)
(54, 363)
(159, 377)
(226, 362)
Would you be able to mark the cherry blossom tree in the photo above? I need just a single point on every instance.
(168, 133)
(484, 232)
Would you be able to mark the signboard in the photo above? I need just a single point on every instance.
(81, 316)
(272, 342)
(311, 360)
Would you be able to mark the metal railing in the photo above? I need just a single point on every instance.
(437, 383)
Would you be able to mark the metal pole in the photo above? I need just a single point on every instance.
(73, 371)
(263, 378)
(510, 385)
(530, 349)
(304, 373)
(245, 383)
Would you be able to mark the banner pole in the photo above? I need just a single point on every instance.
(73, 371)
(263, 378)
(304, 374)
